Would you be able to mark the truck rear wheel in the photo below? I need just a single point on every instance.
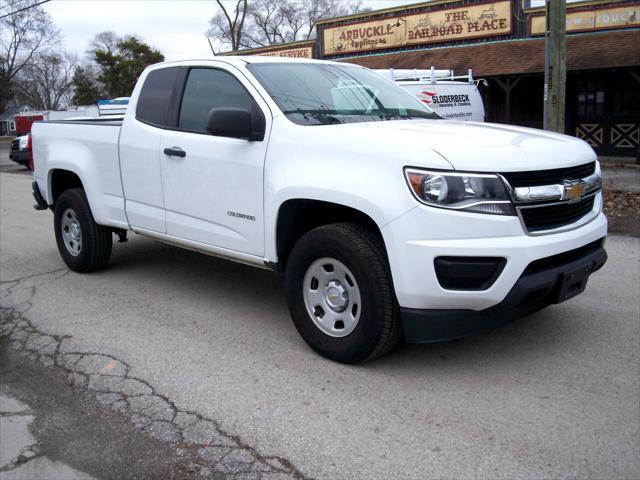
(84, 245)
(340, 293)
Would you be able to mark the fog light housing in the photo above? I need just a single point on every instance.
(468, 273)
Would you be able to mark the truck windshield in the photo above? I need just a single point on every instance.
(324, 94)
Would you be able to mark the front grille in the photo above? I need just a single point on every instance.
(557, 215)
(15, 145)
(549, 177)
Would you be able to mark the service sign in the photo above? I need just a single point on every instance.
(303, 52)
(443, 25)
(596, 19)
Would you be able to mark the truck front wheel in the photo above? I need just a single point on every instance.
(84, 245)
(340, 293)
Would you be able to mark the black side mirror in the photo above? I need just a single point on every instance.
(236, 123)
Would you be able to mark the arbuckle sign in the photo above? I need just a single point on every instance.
(472, 21)
(594, 19)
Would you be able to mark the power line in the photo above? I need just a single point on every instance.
(24, 8)
(9, 4)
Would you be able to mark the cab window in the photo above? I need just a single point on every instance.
(155, 96)
(208, 88)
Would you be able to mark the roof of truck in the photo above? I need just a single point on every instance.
(244, 59)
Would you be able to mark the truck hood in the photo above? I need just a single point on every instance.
(480, 147)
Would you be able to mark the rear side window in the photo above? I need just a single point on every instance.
(155, 96)
(207, 88)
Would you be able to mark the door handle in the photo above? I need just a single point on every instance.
(175, 152)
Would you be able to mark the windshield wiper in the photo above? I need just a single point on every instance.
(323, 116)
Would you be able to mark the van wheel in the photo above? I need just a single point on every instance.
(84, 245)
(340, 293)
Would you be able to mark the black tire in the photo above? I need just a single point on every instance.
(362, 251)
(96, 240)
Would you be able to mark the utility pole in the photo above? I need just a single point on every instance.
(555, 65)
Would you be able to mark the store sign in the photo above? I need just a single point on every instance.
(596, 19)
(303, 52)
(484, 20)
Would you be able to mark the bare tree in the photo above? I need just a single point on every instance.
(22, 35)
(312, 11)
(105, 41)
(228, 25)
(269, 22)
(46, 82)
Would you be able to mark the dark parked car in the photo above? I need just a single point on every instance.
(19, 152)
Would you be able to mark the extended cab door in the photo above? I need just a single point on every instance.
(213, 186)
(139, 148)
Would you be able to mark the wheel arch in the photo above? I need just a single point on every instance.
(60, 180)
(297, 216)
(107, 209)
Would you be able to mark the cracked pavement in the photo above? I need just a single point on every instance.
(200, 355)
(212, 450)
(20, 454)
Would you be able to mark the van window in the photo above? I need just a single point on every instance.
(208, 88)
(155, 96)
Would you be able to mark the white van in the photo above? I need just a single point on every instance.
(452, 97)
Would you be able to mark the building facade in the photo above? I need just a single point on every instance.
(8, 124)
(503, 42)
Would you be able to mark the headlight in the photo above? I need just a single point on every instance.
(469, 192)
(23, 141)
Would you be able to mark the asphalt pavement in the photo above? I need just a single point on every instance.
(20, 455)
(185, 341)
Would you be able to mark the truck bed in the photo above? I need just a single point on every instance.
(89, 148)
(113, 122)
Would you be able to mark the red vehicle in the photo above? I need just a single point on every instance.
(23, 123)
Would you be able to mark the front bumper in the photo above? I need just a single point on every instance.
(21, 156)
(544, 282)
(415, 239)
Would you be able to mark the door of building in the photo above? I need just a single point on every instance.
(603, 110)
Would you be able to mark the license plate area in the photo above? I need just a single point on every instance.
(574, 282)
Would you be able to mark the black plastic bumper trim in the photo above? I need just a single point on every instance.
(41, 203)
(468, 273)
(532, 292)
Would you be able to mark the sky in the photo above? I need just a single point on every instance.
(176, 27)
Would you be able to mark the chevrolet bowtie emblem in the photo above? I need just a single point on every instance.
(573, 189)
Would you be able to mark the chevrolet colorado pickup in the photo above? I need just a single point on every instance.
(388, 221)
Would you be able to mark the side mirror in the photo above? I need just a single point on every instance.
(236, 123)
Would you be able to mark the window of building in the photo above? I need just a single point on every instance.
(12, 126)
(591, 98)
(208, 88)
(626, 97)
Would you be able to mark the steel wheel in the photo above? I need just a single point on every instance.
(332, 297)
(71, 232)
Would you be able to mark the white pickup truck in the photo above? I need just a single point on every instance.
(387, 220)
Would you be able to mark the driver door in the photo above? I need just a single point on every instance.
(213, 186)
